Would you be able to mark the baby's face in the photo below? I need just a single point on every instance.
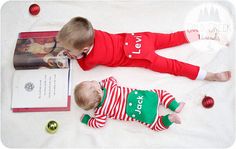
(89, 88)
(23, 48)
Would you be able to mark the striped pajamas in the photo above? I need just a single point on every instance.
(114, 106)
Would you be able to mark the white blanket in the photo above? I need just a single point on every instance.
(200, 127)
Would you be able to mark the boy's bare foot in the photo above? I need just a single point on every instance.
(174, 118)
(180, 107)
(220, 77)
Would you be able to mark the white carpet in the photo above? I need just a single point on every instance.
(200, 127)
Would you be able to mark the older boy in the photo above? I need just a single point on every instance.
(94, 47)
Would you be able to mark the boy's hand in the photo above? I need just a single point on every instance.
(68, 54)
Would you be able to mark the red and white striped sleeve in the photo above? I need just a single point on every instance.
(111, 82)
(96, 122)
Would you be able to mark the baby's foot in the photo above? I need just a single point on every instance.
(180, 107)
(220, 77)
(174, 118)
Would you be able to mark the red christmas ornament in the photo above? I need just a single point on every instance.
(208, 102)
(34, 9)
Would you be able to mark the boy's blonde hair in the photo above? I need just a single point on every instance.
(78, 33)
(86, 98)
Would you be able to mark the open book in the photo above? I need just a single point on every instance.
(41, 80)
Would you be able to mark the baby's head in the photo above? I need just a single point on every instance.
(88, 94)
(77, 35)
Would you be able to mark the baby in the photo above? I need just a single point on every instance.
(112, 101)
(94, 47)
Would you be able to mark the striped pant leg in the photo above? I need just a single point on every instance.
(168, 100)
(161, 123)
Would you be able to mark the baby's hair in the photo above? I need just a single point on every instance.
(77, 33)
(83, 96)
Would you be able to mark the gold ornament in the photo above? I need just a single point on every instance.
(52, 127)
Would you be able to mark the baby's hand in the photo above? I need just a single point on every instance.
(81, 118)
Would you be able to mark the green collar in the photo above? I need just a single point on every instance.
(103, 98)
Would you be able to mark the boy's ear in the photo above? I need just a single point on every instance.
(85, 49)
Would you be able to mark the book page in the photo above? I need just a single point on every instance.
(40, 88)
(34, 53)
